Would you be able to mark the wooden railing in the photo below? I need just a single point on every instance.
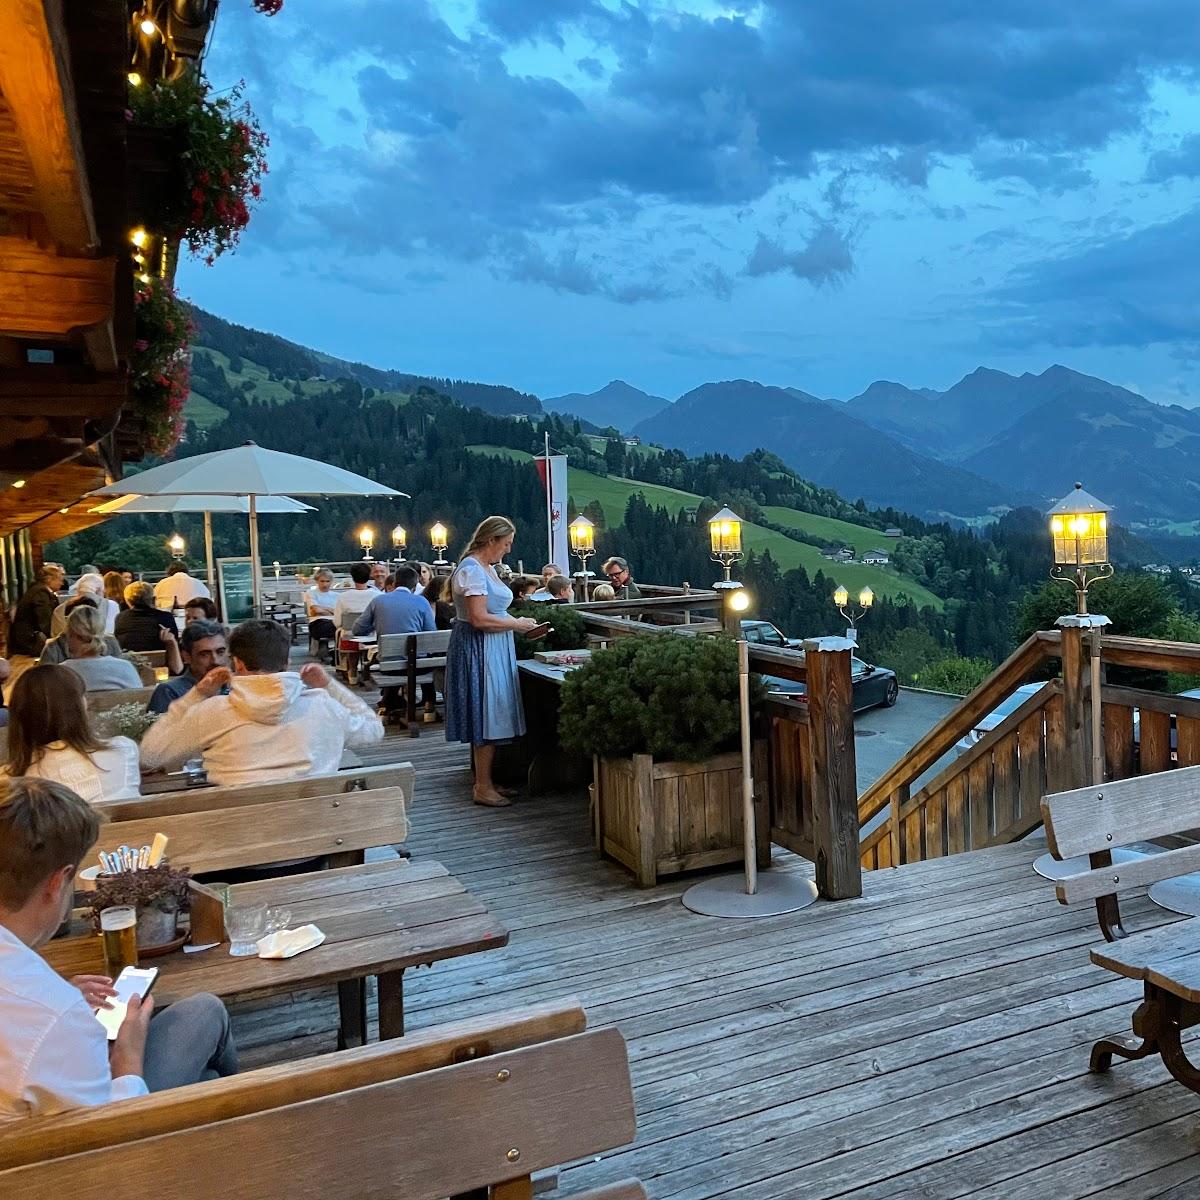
(991, 793)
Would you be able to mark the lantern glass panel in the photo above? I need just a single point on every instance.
(841, 597)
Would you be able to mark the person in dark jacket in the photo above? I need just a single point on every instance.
(138, 626)
(30, 629)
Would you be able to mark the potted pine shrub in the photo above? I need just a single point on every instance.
(658, 713)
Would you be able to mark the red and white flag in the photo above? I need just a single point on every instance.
(553, 472)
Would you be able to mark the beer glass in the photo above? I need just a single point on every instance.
(118, 928)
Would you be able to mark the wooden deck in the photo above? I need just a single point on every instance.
(930, 1039)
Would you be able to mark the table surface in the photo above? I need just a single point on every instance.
(541, 670)
(377, 918)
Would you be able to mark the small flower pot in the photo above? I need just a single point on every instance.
(156, 927)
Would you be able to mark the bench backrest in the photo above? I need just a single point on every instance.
(437, 1132)
(359, 779)
(1095, 820)
(394, 649)
(250, 835)
(99, 702)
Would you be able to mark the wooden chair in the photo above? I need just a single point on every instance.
(409, 660)
(358, 779)
(99, 702)
(1095, 821)
(475, 1107)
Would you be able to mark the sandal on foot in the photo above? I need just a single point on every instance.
(491, 802)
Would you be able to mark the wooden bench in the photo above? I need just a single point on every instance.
(409, 659)
(1095, 821)
(356, 779)
(472, 1108)
(100, 702)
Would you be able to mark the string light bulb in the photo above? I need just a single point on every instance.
(148, 27)
(135, 80)
(139, 237)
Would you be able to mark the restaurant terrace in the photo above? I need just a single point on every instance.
(736, 977)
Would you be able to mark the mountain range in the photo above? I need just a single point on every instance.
(616, 403)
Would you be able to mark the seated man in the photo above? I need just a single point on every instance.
(319, 601)
(138, 627)
(352, 602)
(54, 1054)
(203, 647)
(274, 724)
(178, 588)
(401, 611)
(620, 578)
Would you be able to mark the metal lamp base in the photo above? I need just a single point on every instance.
(778, 892)
(1049, 867)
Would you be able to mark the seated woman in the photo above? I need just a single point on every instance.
(58, 649)
(89, 659)
(50, 737)
(438, 595)
(138, 626)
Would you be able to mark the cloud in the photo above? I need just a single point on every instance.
(1132, 290)
(1183, 161)
(1056, 173)
(825, 257)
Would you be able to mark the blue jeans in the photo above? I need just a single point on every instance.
(188, 1042)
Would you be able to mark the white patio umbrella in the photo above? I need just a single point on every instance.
(251, 471)
(134, 504)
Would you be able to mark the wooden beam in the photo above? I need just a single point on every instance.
(43, 295)
(54, 391)
(35, 80)
(46, 492)
(101, 346)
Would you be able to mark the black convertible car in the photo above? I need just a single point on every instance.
(872, 685)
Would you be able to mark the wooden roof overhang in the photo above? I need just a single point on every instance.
(66, 295)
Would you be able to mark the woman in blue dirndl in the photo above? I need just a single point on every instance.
(483, 691)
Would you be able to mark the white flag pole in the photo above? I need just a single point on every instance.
(549, 506)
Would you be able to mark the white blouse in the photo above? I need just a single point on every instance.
(112, 773)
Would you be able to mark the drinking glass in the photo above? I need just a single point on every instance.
(246, 923)
(118, 928)
(277, 919)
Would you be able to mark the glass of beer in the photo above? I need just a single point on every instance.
(118, 928)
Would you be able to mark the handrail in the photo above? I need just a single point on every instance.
(651, 603)
(1151, 654)
(999, 685)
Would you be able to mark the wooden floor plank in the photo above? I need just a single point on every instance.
(930, 1038)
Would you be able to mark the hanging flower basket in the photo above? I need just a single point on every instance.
(159, 366)
(218, 157)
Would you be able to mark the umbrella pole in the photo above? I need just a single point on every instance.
(255, 581)
(208, 552)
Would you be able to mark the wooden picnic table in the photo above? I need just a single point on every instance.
(378, 919)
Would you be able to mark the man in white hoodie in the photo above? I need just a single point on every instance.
(274, 724)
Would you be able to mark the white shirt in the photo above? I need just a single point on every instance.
(110, 609)
(268, 727)
(112, 773)
(179, 587)
(314, 598)
(352, 603)
(53, 1051)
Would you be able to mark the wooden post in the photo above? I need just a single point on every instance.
(643, 785)
(731, 620)
(1075, 772)
(834, 783)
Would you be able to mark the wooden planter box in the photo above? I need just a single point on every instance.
(659, 818)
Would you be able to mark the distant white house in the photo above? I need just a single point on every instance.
(1157, 569)
(893, 532)
(875, 558)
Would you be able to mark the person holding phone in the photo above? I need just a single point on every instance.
(483, 690)
(54, 1054)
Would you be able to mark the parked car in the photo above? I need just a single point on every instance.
(763, 633)
(873, 686)
(1005, 708)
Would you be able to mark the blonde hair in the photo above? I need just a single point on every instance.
(489, 530)
(603, 591)
(86, 624)
(139, 593)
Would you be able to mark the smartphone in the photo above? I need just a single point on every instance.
(132, 981)
(539, 631)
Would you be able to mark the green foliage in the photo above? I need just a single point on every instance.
(568, 632)
(954, 674)
(1137, 604)
(125, 720)
(141, 552)
(910, 653)
(669, 696)
(1181, 627)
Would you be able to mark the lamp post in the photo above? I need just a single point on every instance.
(1079, 533)
(177, 546)
(399, 542)
(439, 539)
(366, 539)
(582, 535)
(777, 892)
(841, 601)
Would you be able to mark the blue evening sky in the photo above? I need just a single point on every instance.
(815, 193)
